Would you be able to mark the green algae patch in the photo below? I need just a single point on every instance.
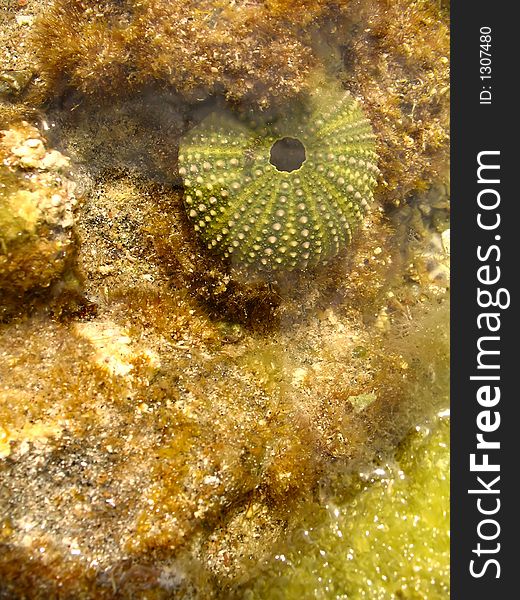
(390, 540)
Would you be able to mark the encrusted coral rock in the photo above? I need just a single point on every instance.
(36, 201)
(282, 195)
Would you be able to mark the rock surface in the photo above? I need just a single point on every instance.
(36, 213)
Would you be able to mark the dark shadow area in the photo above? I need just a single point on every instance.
(287, 154)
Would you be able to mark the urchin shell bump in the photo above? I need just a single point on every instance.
(281, 195)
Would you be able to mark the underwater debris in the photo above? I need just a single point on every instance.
(283, 195)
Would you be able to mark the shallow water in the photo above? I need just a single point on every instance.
(173, 417)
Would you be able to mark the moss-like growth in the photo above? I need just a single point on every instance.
(396, 56)
(113, 48)
(388, 539)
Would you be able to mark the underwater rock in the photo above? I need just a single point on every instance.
(13, 83)
(107, 48)
(161, 446)
(396, 57)
(282, 195)
(168, 441)
(36, 218)
(18, 60)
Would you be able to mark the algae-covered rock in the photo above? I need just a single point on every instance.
(36, 219)
(393, 56)
(154, 443)
(389, 538)
(18, 75)
(112, 48)
(396, 57)
(13, 83)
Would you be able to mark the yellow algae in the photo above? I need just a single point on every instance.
(390, 540)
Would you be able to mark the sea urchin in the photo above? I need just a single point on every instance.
(285, 194)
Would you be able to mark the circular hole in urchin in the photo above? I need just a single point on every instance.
(287, 154)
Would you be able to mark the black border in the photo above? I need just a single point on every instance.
(477, 127)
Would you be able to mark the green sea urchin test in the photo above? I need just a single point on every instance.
(281, 195)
